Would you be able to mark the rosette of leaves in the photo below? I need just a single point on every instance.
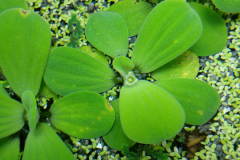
(148, 112)
(25, 44)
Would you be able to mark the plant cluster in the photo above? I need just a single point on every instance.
(171, 36)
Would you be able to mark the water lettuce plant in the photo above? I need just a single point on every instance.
(149, 112)
(230, 6)
(25, 44)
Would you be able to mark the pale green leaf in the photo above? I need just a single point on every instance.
(169, 30)
(214, 34)
(25, 43)
(11, 113)
(148, 113)
(108, 32)
(133, 12)
(45, 144)
(29, 102)
(185, 65)
(115, 138)
(9, 147)
(69, 70)
(199, 100)
(83, 114)
(123, 65)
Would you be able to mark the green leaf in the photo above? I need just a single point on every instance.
(148, 113)
(169, 30)
(230, 6)
(214, 34)
(115, 138)
(108, 32)
(133, 12)
(199, 100)
(44, 144)
(45, 91)
(123, 65)
(83, 114)
(25, 43)
(29, 102)
(9, 147)
(69, 70)
(3, 91)
(185, 65)
(4, 5)
(97, 54)
(11, 113)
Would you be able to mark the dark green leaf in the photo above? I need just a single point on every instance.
(11, 113)
(44, 144)
(108, 32)
(133, 12)
(169, 30)
(214, 34)
(185, 65)
(148, 113)
(9, 148)
(115, 138)
(83, 114)
(199, 100)
(69, 70)
(25, 43)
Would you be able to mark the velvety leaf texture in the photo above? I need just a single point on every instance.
(108, 32)
(83, 114)
(11, 113)
(115, 138)
(4, 5)
(25, 43)
(44, 144)
(69, 70)
(230, 6)
(133, 12)
(199, 100)
(214, 34)
(9, 147)
(148, 113)
(186, 65)
(169, 30)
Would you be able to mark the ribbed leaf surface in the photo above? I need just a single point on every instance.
(169, 30)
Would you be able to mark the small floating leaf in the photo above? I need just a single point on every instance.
(108, 32)
(133, 12)
(83, 114)
(199, 100)
(148, 113)
(69, 70)
(115, 138)
(214, 34)
(185, 65)
(44, 143)
(169, 30)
